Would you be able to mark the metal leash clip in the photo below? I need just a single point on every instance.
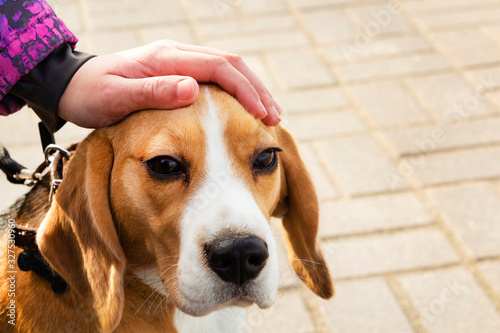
(50, 156)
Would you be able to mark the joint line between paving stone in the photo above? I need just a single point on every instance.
(331, 176)
(192, 21)
(406, 304)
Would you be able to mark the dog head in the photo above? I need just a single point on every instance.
(183, 199)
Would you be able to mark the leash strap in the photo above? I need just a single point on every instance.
(32, 260)
(26, 238)
(11, 168)
(46, 137)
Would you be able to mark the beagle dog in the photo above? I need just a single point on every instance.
(162, 224)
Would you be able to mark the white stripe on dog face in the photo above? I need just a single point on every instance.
(222, 202)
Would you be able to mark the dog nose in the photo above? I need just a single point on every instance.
(237, 260)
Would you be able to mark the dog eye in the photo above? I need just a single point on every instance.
(165, 166)
(266, 160)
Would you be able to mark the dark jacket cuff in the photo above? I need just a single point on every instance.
(44, 85)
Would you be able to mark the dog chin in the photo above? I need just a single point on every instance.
(196, 308)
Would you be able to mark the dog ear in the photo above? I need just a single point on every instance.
(78, 237)
(299, 209)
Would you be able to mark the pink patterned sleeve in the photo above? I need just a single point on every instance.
(29, 31)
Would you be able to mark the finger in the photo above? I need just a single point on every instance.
(162, 92)
(237, 62)
(273, 118)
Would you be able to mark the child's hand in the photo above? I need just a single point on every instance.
(159, 75)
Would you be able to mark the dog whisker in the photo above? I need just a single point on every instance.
(305, 260)
(154, 282)
(145, 301)
(154, 301)
(305, 280)
(167, 296)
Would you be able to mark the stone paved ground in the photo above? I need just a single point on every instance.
(396, 106)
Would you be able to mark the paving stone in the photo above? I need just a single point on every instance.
(214, 10)
(401, 66)
(311, 100)
(129, 13)
(450, 19)
(179, 33)
(70, 134)
(115, 41)
(257, 65)
(431, 6)
(70, 14)
(469, 47)
(263, 6)
(300, 69)
(372, 214)
(288, 314)
(482, 163)
(317, 125)
(473, 211)
(323, 185)
(359, 164)
(366, 48)
(306, 4)
(56, 4)
(386, 253)
(428, 139)
(9, 193)
(382, 19)
(19, 129)
(262, 42)
(220, 28)
(364, 306)
(492, 31)
(451, 301)
(288, 278)
(488, 79)
(491, 270)
(494, 97)
(389, 104)
(329, 26)
(451, 97)
(83, 44)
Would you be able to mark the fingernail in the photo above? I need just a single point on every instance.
(275, 113)
(185, 90)
(278, 108)
(263, 109)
